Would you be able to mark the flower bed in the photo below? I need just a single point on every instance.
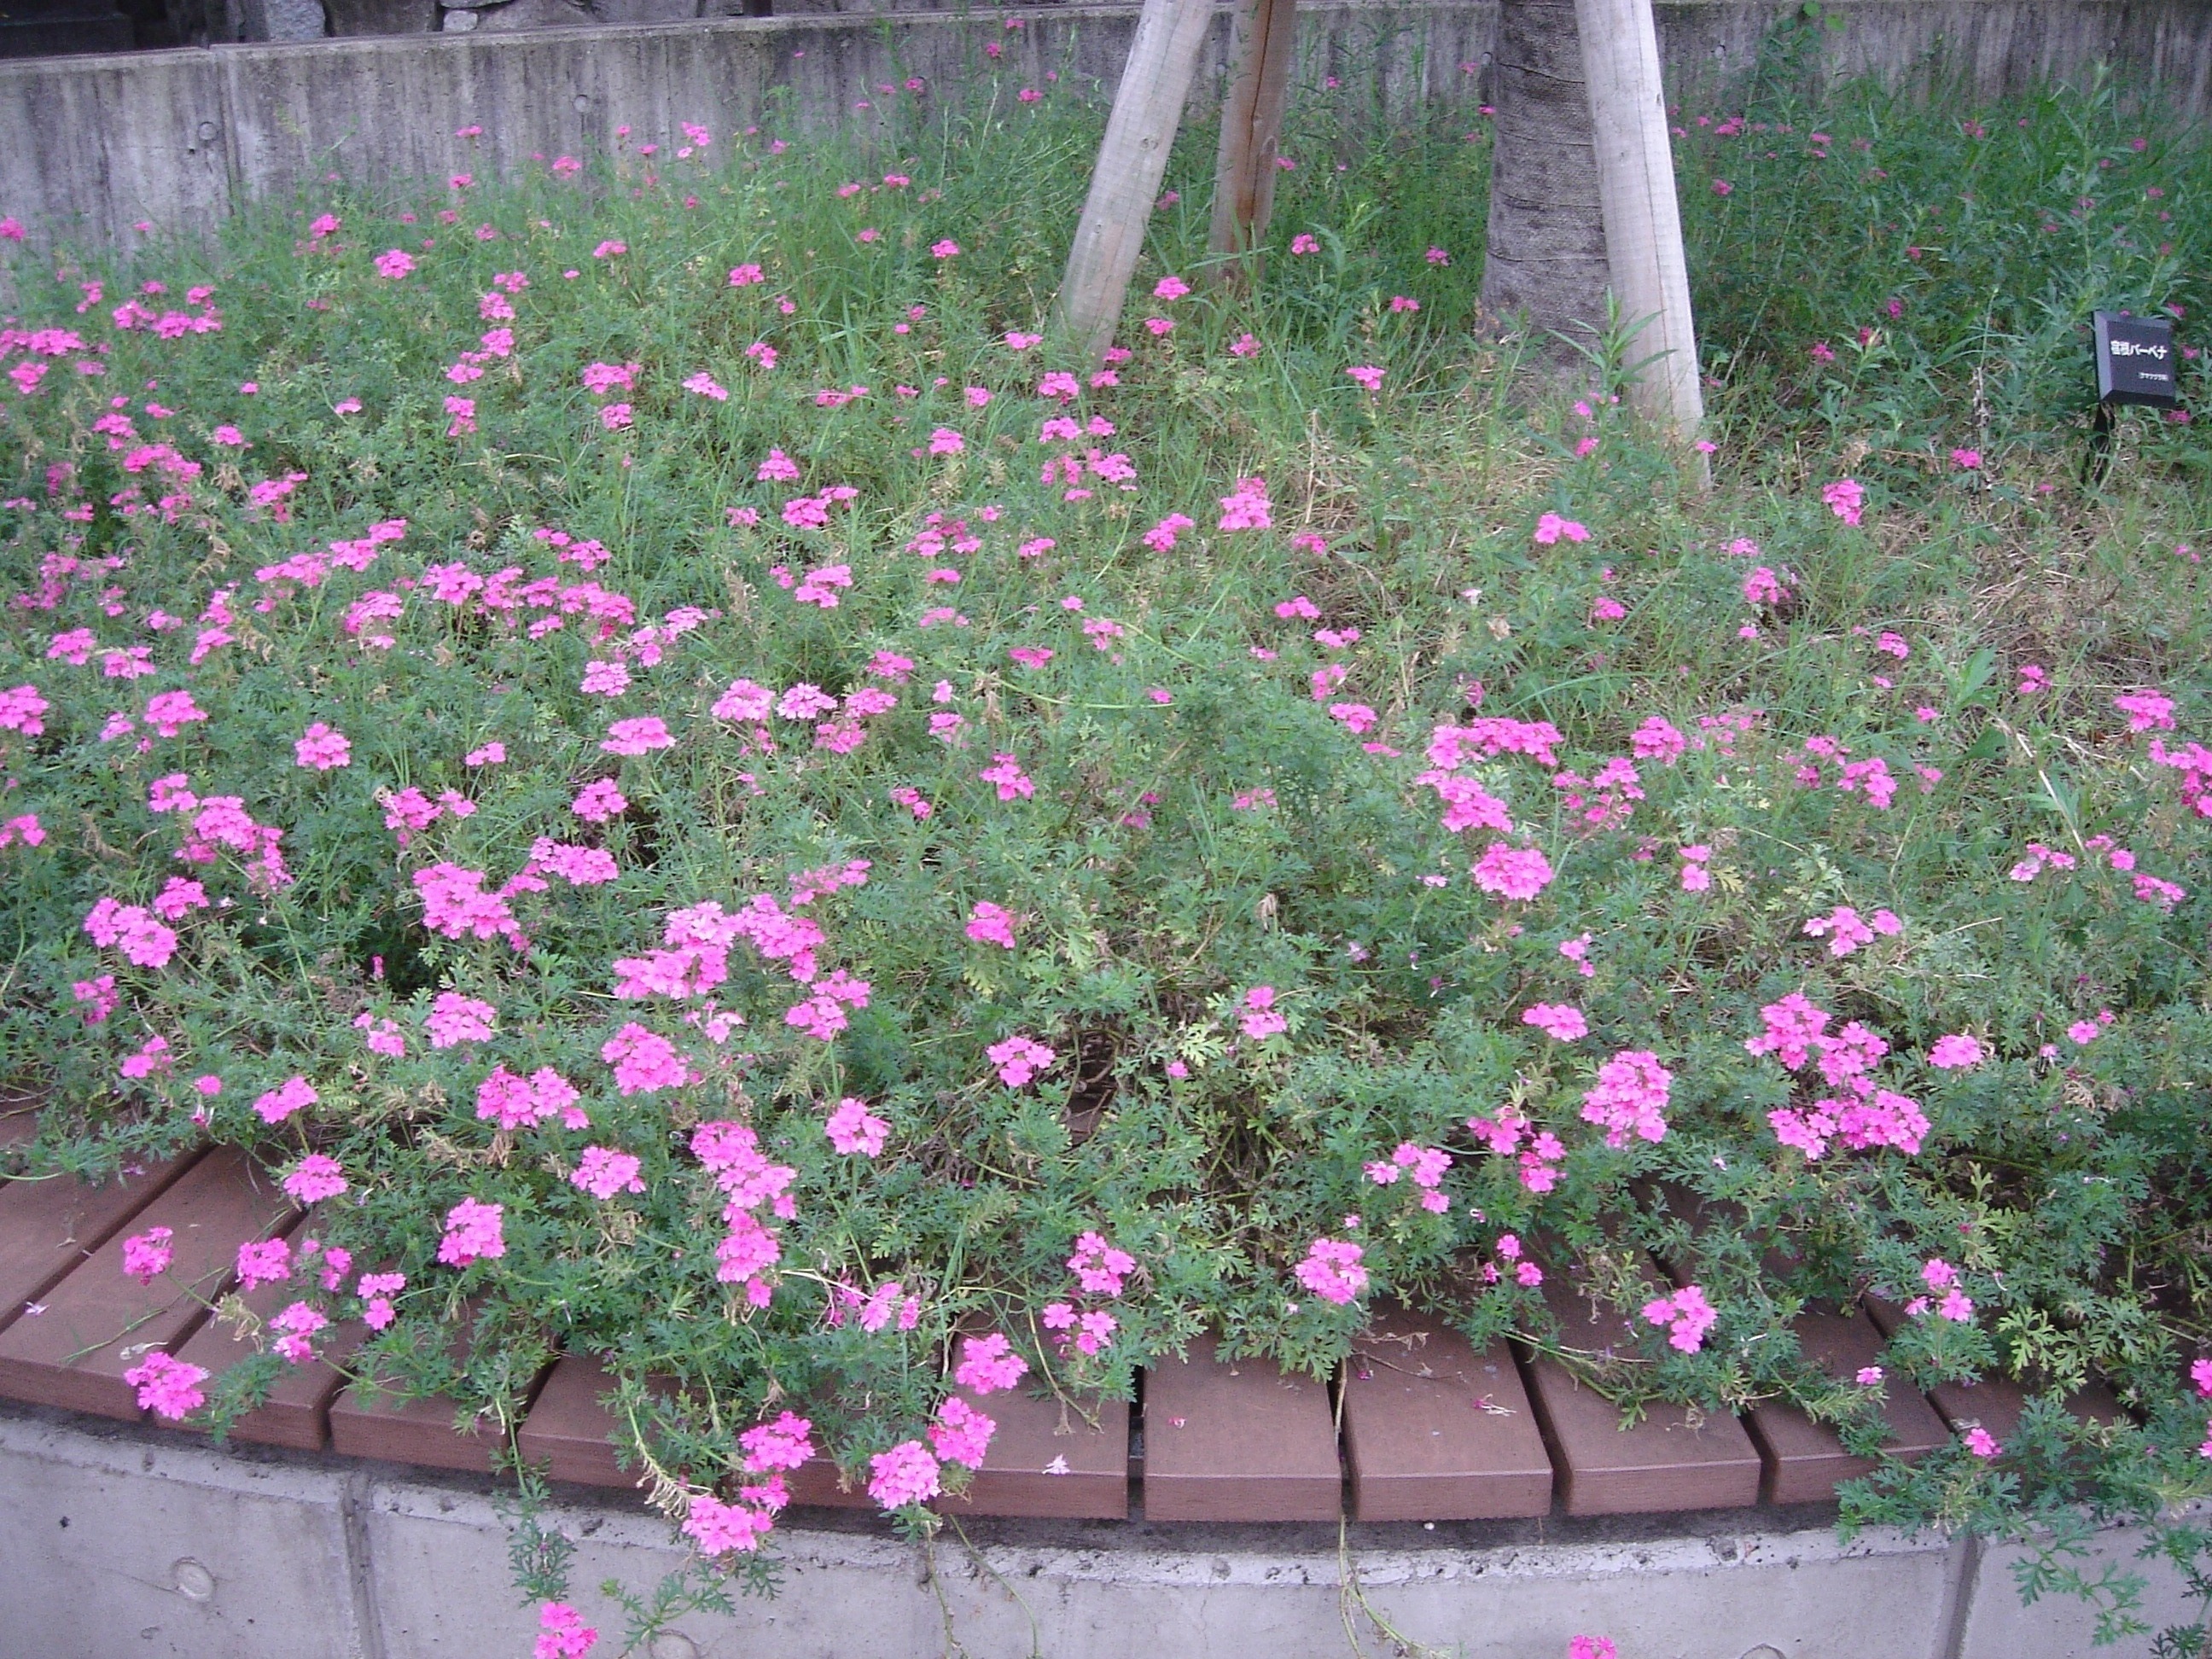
(694, 792)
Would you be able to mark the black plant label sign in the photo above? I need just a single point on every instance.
(2135, 360)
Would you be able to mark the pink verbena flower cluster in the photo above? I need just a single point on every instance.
(1425, 1166)
(1686, 1314)
(1795, 1033)
(1629, 1098)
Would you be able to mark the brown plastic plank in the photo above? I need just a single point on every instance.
(1048, 1461)
(1434, 1430)
(50, 1225)
(1237, 1440)
(375, 1422)
(296, 1412)
(1805, 1460)
(99, 1322)
(1671, 1459)
(569, 1433)
(1995, 1403)
(814, 1484)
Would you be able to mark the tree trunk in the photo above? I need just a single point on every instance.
(1642, 220)
(1263, 53)
(1546, 260)
(1148, 109)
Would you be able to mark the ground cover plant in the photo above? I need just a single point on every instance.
(703, 797)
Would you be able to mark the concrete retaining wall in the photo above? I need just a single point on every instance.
(119, 1540)
(91, 147)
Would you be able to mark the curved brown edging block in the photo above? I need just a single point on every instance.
(296, 1411)
(1436, 1431)
(99, 1323)
(1671, 1459)
(1805, 1461)
(1995, 1403)
(1237, 1440)
(1432, 1431)
(50, 1227)
(1049, 1460)
(367, 1421)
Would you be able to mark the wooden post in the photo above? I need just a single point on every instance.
(1148, 109)
(1643, 217)
(1263, 51)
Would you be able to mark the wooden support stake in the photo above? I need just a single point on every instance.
(1642, 218)
(1263, 51)
(1148, 109)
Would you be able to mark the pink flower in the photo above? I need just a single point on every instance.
(266, 1262)
(296, 1326)
(1019, 1059)
(1763, 586)
(598, 802)
(1161, 538)
(1686, 1314)
(1843, 498)
(2083, 1032)
(1331, 1271)
(394, 264)
(1098, 1267)
(853, 1128)
(562, 1633)
(961, 1434)
(294, 1094)
(168, 1387)
(169, 712)
(1590, 1647)
(988, 1364)
(1305, 243)
(1631, 1093)
(1561, 1021)
(1246, 506)
(1551, 528)
(1367, 375)
(638, 736)
(2146, 711)
(1966, 460)
(946, 249)
(905, 1474)
(603, 679)
(991, 924)
(146, 1256)
(603, 1172)
(454, 1018)
(644, 1062)
(1513, 873)
(472, 1233)
(323, 749)
(1258, 1017)
(1956, 1052)
(376, 1291)
(1982, 1442)
(719, 1527)
(313, 1178)
(21, 710)
(1007, 775)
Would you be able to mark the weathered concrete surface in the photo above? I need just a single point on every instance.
(116, 1544)
(1224, 1595)
(89, 147)
(1997, 1625)
(174, 1548)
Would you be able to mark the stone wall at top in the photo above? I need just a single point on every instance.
(94, 147)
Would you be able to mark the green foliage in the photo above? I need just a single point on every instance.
(1203, 824)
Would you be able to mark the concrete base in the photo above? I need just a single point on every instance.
(116, 1539)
